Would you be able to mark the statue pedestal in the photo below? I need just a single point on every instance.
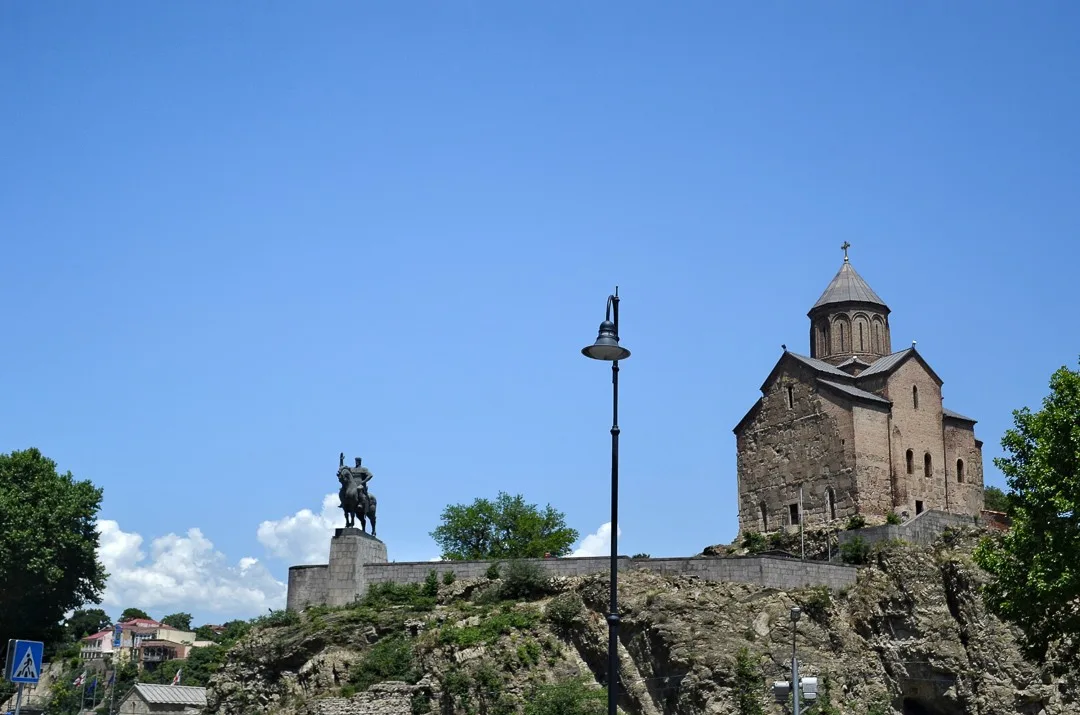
(350, 551)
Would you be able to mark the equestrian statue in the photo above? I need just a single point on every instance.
(356, 501)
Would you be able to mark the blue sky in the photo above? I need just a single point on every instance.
(239, 238)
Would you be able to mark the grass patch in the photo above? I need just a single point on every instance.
(389, 659)
(490, 628)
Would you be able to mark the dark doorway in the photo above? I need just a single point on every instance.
(918, 507)
(794, 509)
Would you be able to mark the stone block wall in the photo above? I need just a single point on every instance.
(923, 529)
(352, 553)
(308, 585)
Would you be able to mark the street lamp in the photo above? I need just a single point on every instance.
(607, 348)
(795, 613)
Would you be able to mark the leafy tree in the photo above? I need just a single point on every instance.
(85, 622)
(130, 614)
(570, 697)
(206, 633)
(995, 499)
(506, 528)
(179, 621)
(48, 546)
(1036, 564)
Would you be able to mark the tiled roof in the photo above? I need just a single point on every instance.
(819, 365)
(956, 415)
(142, 623)
(172, 694)
(99, 635)
(848, 286)
(882, 365)
(855, 392)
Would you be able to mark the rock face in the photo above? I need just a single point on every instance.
(911, 636)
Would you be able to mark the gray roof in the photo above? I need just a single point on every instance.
(819, 365)
(172, 694)
(855, 392)
(848, 286)
(956, 415)
(886, 363)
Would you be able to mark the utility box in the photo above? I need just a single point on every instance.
(781, 689)
(809, 687)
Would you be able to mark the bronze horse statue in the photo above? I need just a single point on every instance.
(356, 501)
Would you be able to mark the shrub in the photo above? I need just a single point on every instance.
(571, 697)
(641, 556)
(857, 521)
(449, 577)
(753, 541)
(493, 571)
(276, 619)
(431, 584)
(856, 551)
(389, 659)
(382, 595)
(748, 682)
(815, 602)
(525, 579)
(489, 629)
(564, 612)
(892, 518)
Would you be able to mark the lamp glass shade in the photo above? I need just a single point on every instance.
(607, 345)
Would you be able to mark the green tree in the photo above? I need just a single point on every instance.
(995, 499)
(206, 633)
(85, 622)
(506, 528)
(570, 697)
(48, 546)
(179, 621)
(130, 614)
(1035, 565)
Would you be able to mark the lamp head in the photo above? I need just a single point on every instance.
(607, 345)
(795, 613)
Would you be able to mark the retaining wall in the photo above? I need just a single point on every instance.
(924, 529)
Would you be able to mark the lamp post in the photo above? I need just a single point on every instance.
(607, 348)
(795, 613)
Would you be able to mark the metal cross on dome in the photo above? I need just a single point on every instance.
(845, 246)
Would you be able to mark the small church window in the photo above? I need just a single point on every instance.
(910, 462)
(794, 510)
(915, 396)
(764, 516)
(860, 338)
(960, 471)
(928, 465)
(790, 397)
(841, 337)
(830, 503)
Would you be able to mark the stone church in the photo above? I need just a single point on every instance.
(853, 428)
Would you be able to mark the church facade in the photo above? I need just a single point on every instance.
(853, 427)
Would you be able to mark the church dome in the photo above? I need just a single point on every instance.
(849, 320)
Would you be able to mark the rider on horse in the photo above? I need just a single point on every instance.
(363, 472)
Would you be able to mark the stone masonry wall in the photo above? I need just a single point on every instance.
(808, 441)
(960, 443)
(923, 529)
(917, 429)
(872, 459)
(308, 585)
(352, 554)
(768, 571)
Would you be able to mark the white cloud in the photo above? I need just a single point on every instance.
(304, 537)
(597, 544)
(183, 573)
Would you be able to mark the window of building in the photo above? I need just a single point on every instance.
(910, 462)
(960, 471)
(928, 465)
(830, 503)
(915, 396)
(918, 507)
(794, 509)
(841, 337)
(764, 516)
(790, 397)
(860, 338)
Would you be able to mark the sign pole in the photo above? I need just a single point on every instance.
(18, 700)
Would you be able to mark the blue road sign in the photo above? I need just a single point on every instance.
(118, 632)
(24, 661)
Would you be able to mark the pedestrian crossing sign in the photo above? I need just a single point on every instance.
(24, 661)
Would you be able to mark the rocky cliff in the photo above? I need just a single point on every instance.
(911, 637)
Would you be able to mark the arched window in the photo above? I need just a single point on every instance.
(876, 330)
(960, 471)
(910, 462)
(915, 396)
(790, 397)
(830, 503)
(764, 516)
(841, 337)
(928, 465)
(861, 338)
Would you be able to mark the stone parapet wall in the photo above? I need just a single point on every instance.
(924, 529)
(308, 585)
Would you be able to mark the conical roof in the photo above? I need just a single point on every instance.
(847, 286)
